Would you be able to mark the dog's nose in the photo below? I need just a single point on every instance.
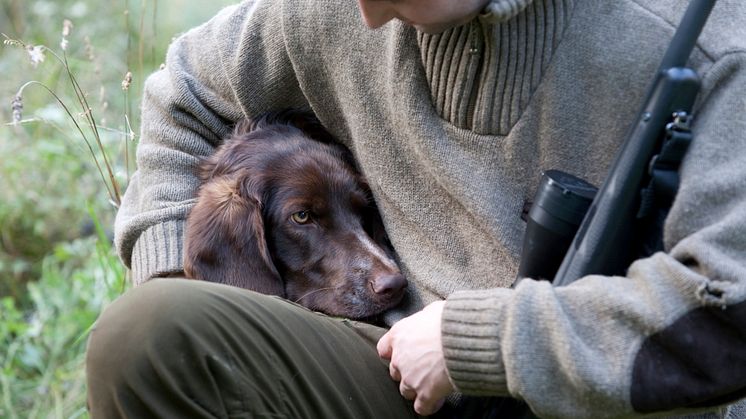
(389, 284)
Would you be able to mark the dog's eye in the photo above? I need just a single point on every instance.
(301, 217)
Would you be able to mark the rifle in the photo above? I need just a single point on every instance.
(583, 230)
(597, 230)
(601, 229)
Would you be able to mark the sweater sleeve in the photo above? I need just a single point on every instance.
(668, 337)
(232, 67)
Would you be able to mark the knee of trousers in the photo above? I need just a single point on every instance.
(160, 324)
(210, 347)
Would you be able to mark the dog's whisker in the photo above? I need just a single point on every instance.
(313, 292)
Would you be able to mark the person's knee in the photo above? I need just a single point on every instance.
(146, 317)
(151, 341)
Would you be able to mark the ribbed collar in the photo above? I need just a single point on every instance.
(483, 74)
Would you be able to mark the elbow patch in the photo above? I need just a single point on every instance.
(698, 361)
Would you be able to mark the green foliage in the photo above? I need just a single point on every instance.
(43, 204)
(57, 267)
(42, 348)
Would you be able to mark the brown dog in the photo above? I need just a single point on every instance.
(283, 211)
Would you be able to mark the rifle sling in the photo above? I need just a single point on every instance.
(664, 167)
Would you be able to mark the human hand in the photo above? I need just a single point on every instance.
(413, 345)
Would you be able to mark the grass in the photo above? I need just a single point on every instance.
(44, 343)
(63, 169)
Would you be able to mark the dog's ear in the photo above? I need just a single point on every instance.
(225, 240)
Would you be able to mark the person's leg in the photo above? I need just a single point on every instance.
(178, 348)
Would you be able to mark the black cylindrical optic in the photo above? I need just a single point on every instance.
(559, 206)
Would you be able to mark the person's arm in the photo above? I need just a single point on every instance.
(232, 67)
(668, 337)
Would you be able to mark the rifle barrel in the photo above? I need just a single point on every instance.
(685, 38)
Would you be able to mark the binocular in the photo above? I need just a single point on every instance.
(558, 209)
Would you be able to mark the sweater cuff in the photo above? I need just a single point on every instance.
(471, 341)
(158, 251)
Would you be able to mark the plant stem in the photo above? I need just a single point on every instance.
(77, 126)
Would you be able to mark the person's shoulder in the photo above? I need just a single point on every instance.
(724, 32)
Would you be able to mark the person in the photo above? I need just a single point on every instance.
(452, 109)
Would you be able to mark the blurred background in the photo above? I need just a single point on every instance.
(71, 76)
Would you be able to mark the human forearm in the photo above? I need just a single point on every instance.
(569, 352)
(663, 338)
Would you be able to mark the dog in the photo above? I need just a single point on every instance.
(282, 210)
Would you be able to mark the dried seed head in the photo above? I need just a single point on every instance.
(36, 54)
(67, 27)
(127, 81)
(17, 107)
(89, 48)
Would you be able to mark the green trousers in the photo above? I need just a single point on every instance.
(174, 348)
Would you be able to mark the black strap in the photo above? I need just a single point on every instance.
(664, 166)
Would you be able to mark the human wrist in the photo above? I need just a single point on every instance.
(158, 252)
(471, 339)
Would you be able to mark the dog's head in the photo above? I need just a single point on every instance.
(283, 211)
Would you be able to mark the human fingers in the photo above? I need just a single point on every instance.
(406, 391)
(394, 372)
(425, 406)
(384, 347)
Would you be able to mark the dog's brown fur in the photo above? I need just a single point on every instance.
(242, 232)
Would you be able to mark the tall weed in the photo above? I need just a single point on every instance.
(72, 76)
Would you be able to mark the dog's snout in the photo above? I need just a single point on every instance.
(391, 284)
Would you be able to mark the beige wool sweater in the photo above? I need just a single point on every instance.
(453, 131)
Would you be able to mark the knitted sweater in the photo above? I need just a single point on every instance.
(452, 132)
